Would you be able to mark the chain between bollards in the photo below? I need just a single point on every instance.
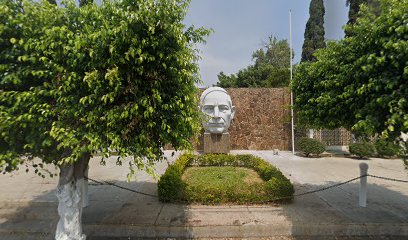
(362, 192)
(124, 188)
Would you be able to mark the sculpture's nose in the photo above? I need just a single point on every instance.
(216, 112)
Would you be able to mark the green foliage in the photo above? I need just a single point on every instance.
(116, 77)
(85, 2)
(386, 148)
(363, 149)
(355, 8)
(271, 68)
(170, 183)
(314, 32)
(172, 188)
(279, 187)
(360, 82)
(311, 146)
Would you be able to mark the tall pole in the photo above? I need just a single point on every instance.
(291, 73)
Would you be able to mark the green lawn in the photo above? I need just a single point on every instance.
(224, 184)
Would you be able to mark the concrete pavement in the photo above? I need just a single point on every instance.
(28, 205)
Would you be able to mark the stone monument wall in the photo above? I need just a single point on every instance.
(262, 119)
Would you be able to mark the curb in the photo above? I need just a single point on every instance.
(247, 231)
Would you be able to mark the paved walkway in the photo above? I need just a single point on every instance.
(28, 205)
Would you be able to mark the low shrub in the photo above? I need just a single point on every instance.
(172, 188)
(311, 146)
(363, 149)
(386, 148)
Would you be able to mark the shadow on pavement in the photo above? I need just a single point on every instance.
(110, 208)
(335, 212)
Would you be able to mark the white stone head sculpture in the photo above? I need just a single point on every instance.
(216, 104)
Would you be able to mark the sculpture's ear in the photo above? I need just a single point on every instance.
(232, 112)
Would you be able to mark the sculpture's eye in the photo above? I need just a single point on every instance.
(208, 109)
(223, 108)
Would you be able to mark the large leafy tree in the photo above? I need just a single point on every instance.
(314, 32)
(361, 81)
(119, 77)
(269, 70)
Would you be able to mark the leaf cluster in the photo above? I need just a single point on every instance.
(116, 77)
(360, 82)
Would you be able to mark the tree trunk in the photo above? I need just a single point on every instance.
(70, 193)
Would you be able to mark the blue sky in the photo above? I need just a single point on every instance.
(240, 27)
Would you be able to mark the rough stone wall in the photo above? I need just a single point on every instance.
(262, 118)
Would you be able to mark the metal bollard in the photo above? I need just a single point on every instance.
(363, 185)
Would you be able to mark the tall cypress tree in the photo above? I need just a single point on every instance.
(314, 32)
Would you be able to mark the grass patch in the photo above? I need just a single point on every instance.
(220, 178)
(223, 184)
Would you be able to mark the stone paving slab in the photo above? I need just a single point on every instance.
(29, 205)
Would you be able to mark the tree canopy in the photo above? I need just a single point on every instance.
(271, 68)
(116, 77)
(314, 32)
(361, 81)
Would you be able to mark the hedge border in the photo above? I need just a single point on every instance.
(171, 186)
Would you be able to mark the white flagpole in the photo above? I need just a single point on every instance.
(291, 72)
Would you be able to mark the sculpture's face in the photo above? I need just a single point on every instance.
(217, 106)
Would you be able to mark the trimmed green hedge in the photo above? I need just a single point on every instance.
(386, 148)
(363, 149)
(311, 146)
(171, 186)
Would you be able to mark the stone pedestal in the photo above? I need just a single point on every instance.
(217, 143)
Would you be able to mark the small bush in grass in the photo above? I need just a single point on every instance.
(363, 149)
(311, 146)
(385, 148)
(171, 186)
